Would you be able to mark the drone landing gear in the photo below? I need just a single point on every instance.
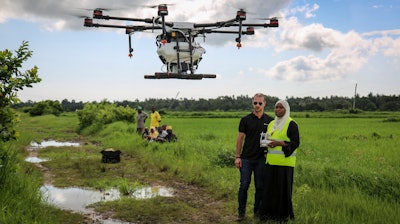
(165, 75)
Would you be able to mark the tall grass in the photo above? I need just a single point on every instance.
(20, 200)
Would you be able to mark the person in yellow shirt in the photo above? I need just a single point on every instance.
(155, 118)
(153, 134)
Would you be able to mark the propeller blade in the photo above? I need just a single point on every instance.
(99, 8)
(270, 18)
(155, 6)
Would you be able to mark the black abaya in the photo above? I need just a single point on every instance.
(277, 199)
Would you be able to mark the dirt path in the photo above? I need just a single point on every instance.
(209, 212)
(91, 217)
(48, 180)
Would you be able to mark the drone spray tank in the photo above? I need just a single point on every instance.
(177, 53)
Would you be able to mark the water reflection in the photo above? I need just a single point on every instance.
(150, 192)
(54, 143)
(76, 199)
(35, 159)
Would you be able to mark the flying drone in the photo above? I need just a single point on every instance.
(176, 45)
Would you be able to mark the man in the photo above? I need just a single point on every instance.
(155, 118)
(250, 155)
(140, 119)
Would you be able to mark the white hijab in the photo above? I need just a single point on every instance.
(281, 121)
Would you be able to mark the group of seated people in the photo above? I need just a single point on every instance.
(162, 134)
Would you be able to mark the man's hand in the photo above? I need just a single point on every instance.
(238, 163)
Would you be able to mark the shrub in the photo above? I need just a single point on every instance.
(97, 115)
(224, 158)
(46, 107)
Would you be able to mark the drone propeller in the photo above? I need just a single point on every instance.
(100, 8)
(150, 6)
(270, 18)
(155, 6)
(79, 16)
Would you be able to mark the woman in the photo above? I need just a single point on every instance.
(283, 136)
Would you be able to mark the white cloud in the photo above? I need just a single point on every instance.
(295, 36)
(306, 10)
(64, 14)
(377, 6)
(387, 40)
(344, 53)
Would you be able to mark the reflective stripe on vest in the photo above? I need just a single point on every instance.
(275, 155)
(279, 152)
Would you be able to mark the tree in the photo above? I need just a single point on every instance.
(13, 80)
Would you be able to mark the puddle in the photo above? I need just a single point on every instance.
(76, 199)
(151, 192)
(34, 146)
(43, 144)
(35, 159)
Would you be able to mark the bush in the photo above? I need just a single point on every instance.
(391, 119)
(355, 111)
(97, 115)
(46, 107)
(224, 158)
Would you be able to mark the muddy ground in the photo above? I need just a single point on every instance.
(210, 209)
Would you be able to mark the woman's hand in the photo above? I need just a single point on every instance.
(272, 144)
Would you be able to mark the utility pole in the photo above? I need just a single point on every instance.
(355, 94)
(173, 101)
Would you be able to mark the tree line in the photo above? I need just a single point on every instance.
(371, 102)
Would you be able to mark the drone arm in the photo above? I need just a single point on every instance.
(147, 20)
(227, 32)
(265, 25)
(157, 20)
(130, 28)
(104, 25)
(216, 24)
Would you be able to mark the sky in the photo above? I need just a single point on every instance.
(320, 49)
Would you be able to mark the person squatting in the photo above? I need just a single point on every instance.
(164, 134)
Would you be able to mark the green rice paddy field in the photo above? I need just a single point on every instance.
(348, 167)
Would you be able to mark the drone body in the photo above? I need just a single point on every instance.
(176, 45)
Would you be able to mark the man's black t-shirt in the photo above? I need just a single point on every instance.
(252, 126)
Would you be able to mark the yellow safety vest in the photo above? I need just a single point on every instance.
(275, 155)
